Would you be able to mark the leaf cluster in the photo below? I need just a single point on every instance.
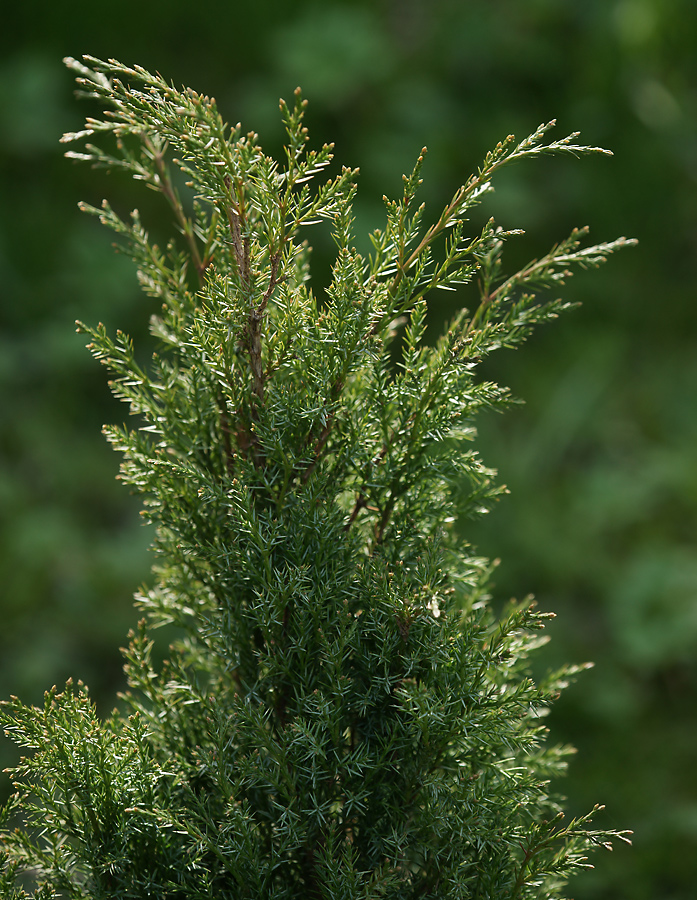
(343, 715)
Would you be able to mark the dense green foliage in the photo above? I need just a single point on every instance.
(342, 714)
(600, 461)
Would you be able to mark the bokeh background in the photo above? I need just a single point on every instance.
(601, 460)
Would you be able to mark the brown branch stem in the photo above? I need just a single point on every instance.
(360, 504)
(361, 499)
(170, 194)
(256, 317)
(381, 526)
(237, 220)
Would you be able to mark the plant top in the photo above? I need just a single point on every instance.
(343, 716)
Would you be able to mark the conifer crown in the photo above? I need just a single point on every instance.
(343, 715)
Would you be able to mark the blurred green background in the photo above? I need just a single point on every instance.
(601, 460)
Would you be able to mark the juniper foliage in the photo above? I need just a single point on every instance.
(343, 716)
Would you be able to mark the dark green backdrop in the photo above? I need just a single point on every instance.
(602, 459)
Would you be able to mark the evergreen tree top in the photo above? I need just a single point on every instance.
(343, 715)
